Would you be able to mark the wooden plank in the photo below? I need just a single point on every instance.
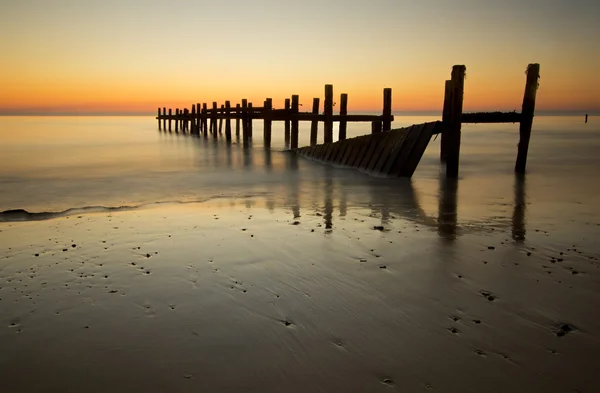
(328, 113)
(343, 112)
(267, 124)
(286, 124)
(387, 109)
(405, 150)
(452, 129)
(227, 122)
(527, 110)
(364, 146)
(238, 111)
(417, 151)
(314, 126)
(249, 119)
(395, 137)
(387, 139)
(295, 126)
(339, 151)
(375, 139)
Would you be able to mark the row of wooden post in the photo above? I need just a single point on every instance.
(196, 120)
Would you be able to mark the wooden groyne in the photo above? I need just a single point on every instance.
(384, 152)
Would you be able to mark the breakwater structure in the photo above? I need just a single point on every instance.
(383, 152)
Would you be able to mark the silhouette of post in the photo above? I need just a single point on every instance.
(221, 119)
(164, 118)
(250, 113)
(295, 125)
(586, 116)
(227, 121)
(186, 120)
(527, 111)
(176, 119)
(519, 230)
(198, 119)
(170, 116)
(454, 121)
(237, 119)
(287, 124)
(205, 119)
(244, 120)
(314, 125)
(267, 122)
(213, 120)
(328, 112)
(343, 112)
(159, 126)
(375, 126)
(387, 109)
(445, 119)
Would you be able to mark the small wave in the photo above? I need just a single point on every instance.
(24, 215)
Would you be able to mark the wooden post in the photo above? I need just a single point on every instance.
(295, 125)
(455, 121)
(328, 112)
(267, 122)
(186, 120)
(375, 126)
(164, 118)
(448, 90)
(237, 120)
(387, 109)
(176, 119)
(227, 121)
(221, 119)
(170, 116)
(343, 111)
(244, 120)
(198, 119)
(527, 111)
(287, 124)
(159, 127)
(213, 120)
(314, 125)
(250, 113)
(204, 118)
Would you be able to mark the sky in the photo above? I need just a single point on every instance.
(132, 56)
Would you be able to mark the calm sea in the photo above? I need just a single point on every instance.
(53, 164)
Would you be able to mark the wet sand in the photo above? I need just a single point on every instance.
(233, 295)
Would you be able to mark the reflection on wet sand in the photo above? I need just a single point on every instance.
(323, 189)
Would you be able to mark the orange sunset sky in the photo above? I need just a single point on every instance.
(132, 56)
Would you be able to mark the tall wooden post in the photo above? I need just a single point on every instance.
(527, 111)
(328, 112)
(164, 118)
(176, 119)
(343, 112)
(375, 126)
(295, 122)
(448, 90)
(227, 121)
(198, 119)
(170, 117)
(250, 116)
(237, 119)
(244, 120)
(455, 121)
(159, 127)
(205, 119)
(213, 120)
(267, 122)
(287, 124)
(387, 109)
(314, 125)
(221, 119)
(186, 120)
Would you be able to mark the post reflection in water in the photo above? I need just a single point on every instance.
(328, 186)
(447, 210)
(518, 218)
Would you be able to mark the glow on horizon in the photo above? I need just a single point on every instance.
(134, 56)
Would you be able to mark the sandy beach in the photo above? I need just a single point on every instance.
(231, 295)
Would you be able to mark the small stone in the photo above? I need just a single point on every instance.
(378, 228)
(37, 255)
(491, 248)
(382, 267)
(491, 298)
(147, 255)
(529, 254)
(65, 249)
(296, 223)
(73, 245)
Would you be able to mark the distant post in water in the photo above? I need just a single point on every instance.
(237, 119)
(586, 116)
(328, 112)
(250, 113)
(198, 119)
(267, 122)
(343, 112)
(170, 117)
(387, 109)
(227, 121)
(295, 122)
(445, 120)
(221, 119)
(244, 120)
(205, 119)
(164, 118)
(527, 111)
(314, 125)
(213, 120)
(176, 119)
(287, 124)
(159, 126)
(455, 121)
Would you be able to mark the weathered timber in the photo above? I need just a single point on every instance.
(286, 132)
(295, 124)
(237, 120)
(387, 109)
(448, 90)
(159, 126)
(221, 120)
(343, 112)
(267, 123)
(227, 122)
(375, 126)
(213, 120)
(314, 125)
(454, 121)
(328, 112)
(527, 111)
(170, 116)
(395, 153)
(244, 120)
(177, 120)
(249, 119)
